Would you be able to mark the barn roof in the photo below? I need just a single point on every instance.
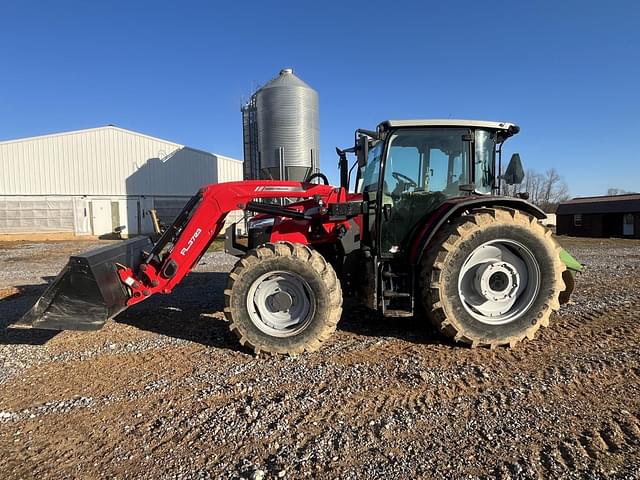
(87, 130)
(627, 203)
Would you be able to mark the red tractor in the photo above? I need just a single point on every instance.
(423, 232)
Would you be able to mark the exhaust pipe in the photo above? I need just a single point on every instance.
(88, 291)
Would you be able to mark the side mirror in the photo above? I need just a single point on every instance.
(514, 173)
(363, 150)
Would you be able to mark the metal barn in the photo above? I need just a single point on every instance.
(90, 182)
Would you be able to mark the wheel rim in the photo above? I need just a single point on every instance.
(281, 304)
(499, 281)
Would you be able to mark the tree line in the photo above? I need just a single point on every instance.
(546, 190)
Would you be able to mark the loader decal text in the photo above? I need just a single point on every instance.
(192, 240)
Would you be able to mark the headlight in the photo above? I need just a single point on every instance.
(261, 223)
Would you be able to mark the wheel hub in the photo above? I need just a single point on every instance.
(499, 281)
(281, 304)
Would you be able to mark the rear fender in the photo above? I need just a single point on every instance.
(455, 207)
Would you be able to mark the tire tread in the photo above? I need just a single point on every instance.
(447, 243)
(305, 255)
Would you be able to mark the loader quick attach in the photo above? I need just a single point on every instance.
(423, 231)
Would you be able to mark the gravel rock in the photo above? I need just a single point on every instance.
(165, 391)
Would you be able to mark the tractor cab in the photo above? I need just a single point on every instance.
(414, 175)
(409, 168)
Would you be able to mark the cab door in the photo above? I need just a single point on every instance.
(423, 168)
(370, 189)
(369, 186)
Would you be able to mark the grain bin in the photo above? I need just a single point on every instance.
(288, 128)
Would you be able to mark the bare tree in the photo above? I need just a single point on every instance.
(616, 191)
(554, 190)
(545, 190)
(551, 178)
(533, 184)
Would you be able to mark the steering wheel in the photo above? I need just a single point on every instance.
(404, 179)
(319, 175)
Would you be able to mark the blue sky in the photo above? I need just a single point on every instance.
(568, 72)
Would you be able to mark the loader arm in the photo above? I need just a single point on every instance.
(181, 246)
(97, 285)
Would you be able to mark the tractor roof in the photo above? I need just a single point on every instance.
(508, 128)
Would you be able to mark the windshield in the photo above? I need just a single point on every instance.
(485, 152)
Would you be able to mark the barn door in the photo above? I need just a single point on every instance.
(133, 220)
(146, 225)
(101, 217)
(627, 224)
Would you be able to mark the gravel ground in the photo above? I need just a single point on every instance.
(164, 391)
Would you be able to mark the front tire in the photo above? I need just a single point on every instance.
(283, 298)
(493, 277)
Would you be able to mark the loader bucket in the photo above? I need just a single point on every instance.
(87, 292)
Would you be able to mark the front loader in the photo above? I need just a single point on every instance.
(423, 231)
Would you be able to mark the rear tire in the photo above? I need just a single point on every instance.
(283, 298)
(492, 277)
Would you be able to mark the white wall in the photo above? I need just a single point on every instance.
(550, 220)
(48, 183)
(20, 215)
(229, 169)
(108, 161)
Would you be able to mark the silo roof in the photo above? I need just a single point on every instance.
(286, 79)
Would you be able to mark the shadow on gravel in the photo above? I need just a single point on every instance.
(193, 312)
(187, 313)
(13, 307)
(362, 321)
(26, 336)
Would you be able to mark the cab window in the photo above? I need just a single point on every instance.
(434, 160)
(485, 154)
(370, 173)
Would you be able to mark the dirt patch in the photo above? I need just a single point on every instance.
(166, 391)
(8, 292)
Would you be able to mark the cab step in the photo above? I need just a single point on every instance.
(398, 313)
(393, 294)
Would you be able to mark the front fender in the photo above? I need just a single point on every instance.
(571, 263)
(569, 275)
